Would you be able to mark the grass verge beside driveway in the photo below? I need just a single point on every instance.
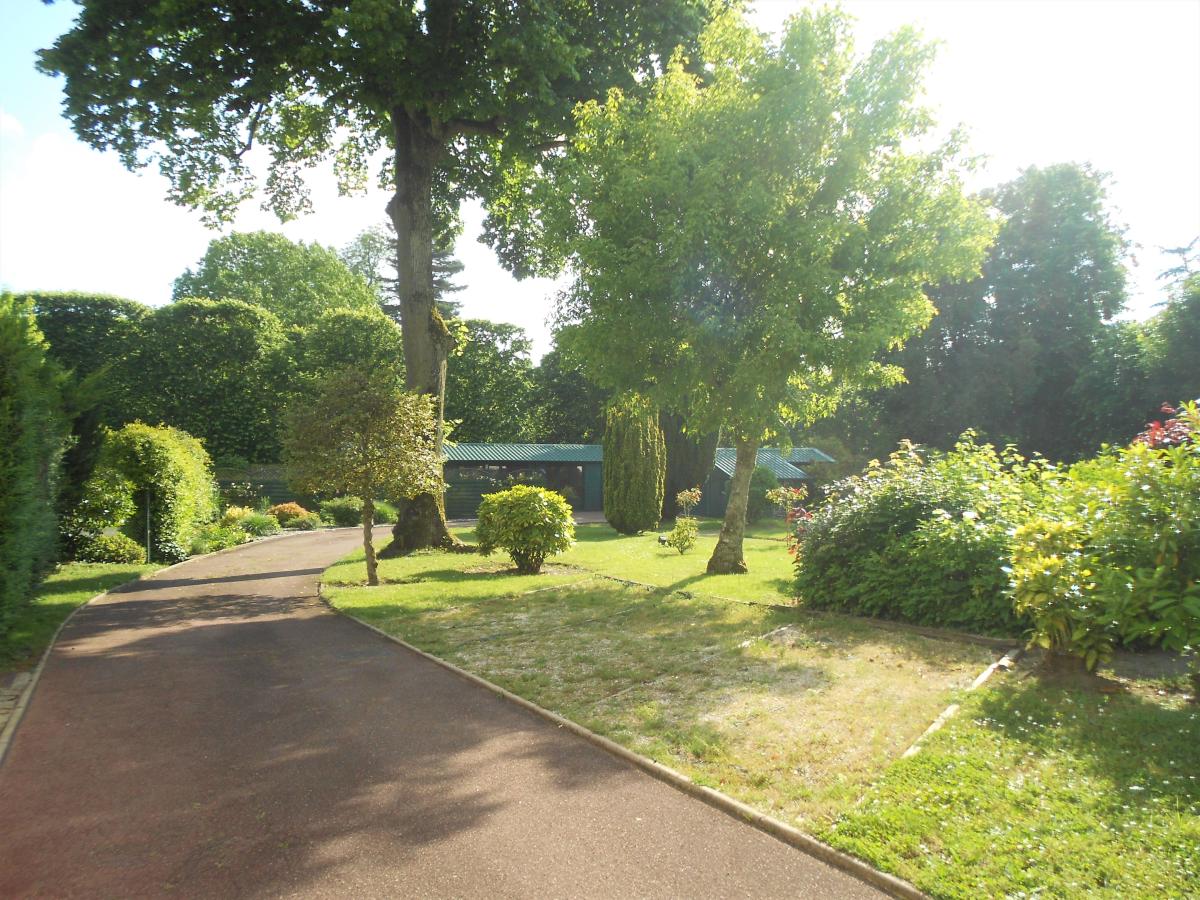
(70, 586)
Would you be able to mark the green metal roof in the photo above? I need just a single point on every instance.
(524, 453)
(809, 455)
(768, 457)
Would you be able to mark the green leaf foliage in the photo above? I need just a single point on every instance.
(33, 432)
(295, 281)
(1114, 556)
(746, 243)
(167, 471)
(635, 463)
(684, 535)
(111, 548)
(570, 407)
(215, 368)
(762, 481)
(349, 338)
(530, 523)
(925, 538)
(490, 385)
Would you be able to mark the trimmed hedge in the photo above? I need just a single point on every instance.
(635, 465)
(33, 430)
(531, 523)
(170, 470)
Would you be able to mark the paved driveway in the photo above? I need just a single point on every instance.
(216, 732)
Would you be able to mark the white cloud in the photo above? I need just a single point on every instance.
(10, 125)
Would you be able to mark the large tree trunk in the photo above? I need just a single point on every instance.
(689, 459)
(727, 557)
(368, 520)
(421, 521)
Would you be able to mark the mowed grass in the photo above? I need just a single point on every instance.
(794, 714)
(70, 586)
(641, 558)
(1039, 791)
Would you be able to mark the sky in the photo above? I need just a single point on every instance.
(1115, 83)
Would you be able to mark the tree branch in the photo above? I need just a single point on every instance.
(483, 127)
(255, 118)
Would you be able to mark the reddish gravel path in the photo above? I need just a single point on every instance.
(216, 732)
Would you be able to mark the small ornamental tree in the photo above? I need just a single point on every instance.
(531, 523)
(748, 241)
(635, 465)
(363, 435)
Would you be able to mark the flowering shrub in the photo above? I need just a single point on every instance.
(1115, 555)
(1182, 428)
(925, 537)
(234, 515)
(689, 500)
(531, 523)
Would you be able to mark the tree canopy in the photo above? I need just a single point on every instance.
(747, 244)
(295, 281)
(489, 384)
(467, 98)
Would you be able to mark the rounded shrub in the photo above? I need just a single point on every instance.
(530, 523)
(635, 465)
(111, 548)
(233, 515)
(342, 511)
(285, 512)
(308, 522)
(385, 513)
(259, 524)
(215, 537)
(684, 535)
(925, 538)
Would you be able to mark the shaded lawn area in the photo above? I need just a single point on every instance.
(794, 714)
(70, 586)
(1035, 790)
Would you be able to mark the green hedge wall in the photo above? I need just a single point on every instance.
(169, 470)
(33, 431)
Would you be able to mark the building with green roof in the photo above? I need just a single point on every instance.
(574, 470)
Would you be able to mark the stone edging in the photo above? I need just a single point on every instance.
(723, 802)
(14, 720)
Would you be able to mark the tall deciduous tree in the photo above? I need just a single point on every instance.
(489, 384)
(752, 241)
(364, 435)
(466, 97)
(296, 281)
(570, 407)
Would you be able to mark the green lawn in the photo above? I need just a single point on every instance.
(793, 713)
(1041, 791)
(640, 558)
(1030, 791)
(70, 586)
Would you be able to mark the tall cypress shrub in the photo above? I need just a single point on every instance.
(33, 432)
(635, 464)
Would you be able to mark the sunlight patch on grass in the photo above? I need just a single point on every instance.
(797, 723)
(70, 586)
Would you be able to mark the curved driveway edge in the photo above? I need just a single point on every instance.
(214, 730)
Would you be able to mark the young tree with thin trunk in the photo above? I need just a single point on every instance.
(469, 99)
(364, 435)
(747, 243)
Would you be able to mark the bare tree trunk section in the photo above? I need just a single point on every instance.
(421, 521)
(368, 519)
(727, 557)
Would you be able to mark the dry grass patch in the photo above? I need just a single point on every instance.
(792, 713)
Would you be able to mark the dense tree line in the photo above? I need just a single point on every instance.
(1032, 352)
